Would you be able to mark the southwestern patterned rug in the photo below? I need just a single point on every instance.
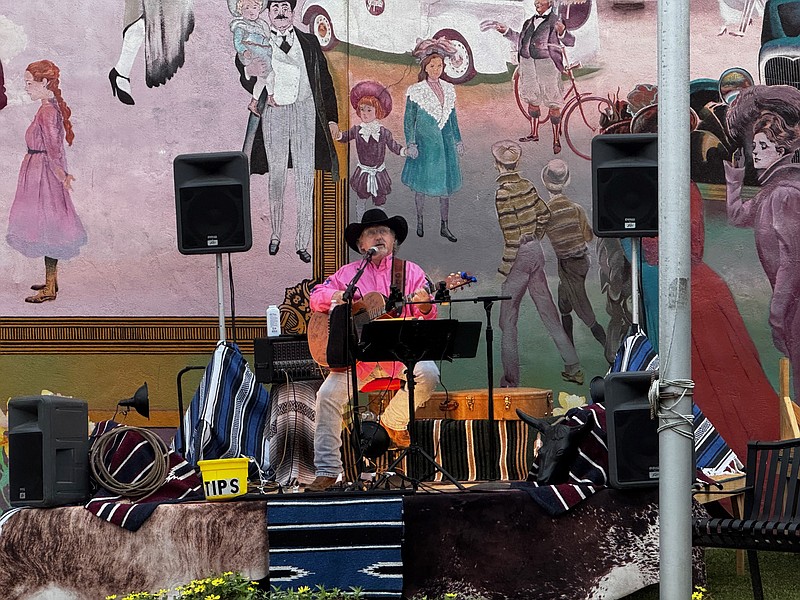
(338, 542)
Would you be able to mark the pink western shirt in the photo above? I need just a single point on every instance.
(377, 277)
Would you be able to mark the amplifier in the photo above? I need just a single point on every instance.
(285, 357)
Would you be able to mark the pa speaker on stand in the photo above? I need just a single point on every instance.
(625, 193)
(625, 185)
(212, 203)
(212, 206)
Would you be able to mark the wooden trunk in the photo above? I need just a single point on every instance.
(474, 404)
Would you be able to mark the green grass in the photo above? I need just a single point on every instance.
(779, 573)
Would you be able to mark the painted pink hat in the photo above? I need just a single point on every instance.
(371, 88)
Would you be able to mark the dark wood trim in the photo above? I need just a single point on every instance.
(123, 335)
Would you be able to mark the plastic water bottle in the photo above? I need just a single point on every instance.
(273, 321)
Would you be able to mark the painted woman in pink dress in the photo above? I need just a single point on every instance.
(767, 119)
(369, 180)
(43, 221)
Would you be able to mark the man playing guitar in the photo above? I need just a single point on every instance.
(379, 236)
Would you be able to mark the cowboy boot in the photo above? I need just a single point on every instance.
(445, 232)
(49, 291)
(419, 203)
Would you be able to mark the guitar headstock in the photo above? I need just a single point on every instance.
(458, 280)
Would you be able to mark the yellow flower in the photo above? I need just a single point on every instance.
(567, 401)
(212, 597)
(303, 589)
(111, 597)
(217, 581)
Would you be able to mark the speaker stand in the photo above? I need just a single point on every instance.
(635, 246)
(220, 298)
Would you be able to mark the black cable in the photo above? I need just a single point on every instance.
(233, 299)
(642, 304)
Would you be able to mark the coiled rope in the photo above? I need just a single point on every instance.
(152, 479)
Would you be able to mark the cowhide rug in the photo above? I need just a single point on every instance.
(503, 546)
(70, 554)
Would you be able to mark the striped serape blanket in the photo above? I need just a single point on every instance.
(588, 473)
(228, 414)
(128, 459)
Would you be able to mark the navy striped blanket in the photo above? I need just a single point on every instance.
(712, 453)
(341, 542)
(128, 459)
(228, 414)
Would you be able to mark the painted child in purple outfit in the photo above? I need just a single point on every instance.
(43, 221)
(369, 180)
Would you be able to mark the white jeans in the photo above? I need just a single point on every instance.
(334, 395)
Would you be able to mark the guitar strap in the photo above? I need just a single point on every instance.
(394, 304)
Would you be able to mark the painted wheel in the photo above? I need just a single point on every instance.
(582, 121)
(463, 68)
(319, 23)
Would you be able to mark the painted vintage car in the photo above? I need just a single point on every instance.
(394, 26)
(779, 56)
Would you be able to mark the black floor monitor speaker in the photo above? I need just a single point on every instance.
(632, 434)
(48, 445)
(212, 203)
(625, 185)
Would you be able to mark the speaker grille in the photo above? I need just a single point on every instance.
(635, 447)
(211, 217)
(631, 199)
(26, 482)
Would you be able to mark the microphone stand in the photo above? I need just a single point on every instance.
(347, 297)
(488, 302)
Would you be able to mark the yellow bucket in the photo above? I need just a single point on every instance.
(224, 478)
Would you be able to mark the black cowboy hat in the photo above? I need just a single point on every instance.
(372, 218)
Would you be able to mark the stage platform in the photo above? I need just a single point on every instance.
(490, 539)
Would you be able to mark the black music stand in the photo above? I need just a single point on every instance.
(411, 341)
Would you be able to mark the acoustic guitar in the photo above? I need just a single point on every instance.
(373, 305)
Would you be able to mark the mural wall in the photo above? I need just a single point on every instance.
(477, 129)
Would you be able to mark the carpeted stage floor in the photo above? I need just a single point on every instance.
(494, 541)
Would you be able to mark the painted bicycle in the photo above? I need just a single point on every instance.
(582, 116)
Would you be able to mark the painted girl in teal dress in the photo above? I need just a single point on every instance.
(432, 136)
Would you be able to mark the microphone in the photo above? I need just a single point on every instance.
(371, 252)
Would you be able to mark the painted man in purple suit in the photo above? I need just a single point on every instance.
(541, 62)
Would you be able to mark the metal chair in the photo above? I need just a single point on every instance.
(771, 518)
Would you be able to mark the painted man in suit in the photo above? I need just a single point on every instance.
(541, 63)
(302, 116)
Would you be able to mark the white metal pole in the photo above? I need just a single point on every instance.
(220, 298)
(674, 280)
